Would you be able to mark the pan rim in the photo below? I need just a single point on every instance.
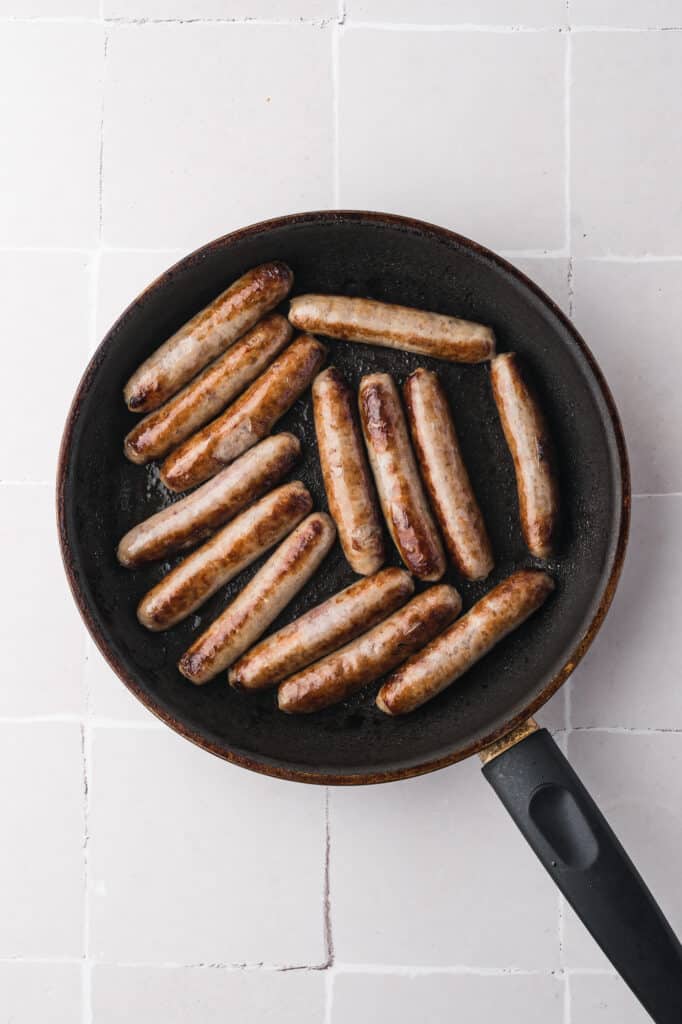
(294, 773)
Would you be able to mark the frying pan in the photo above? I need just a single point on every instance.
(100, 496)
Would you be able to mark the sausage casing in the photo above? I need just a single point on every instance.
(272, 588)
(380, 323)
(206, 335)
(224, 556)
(401, 494)
(347, 479)
(447, 657)
(323, 629)
(445, 475)
(192, 519)
(247, 420)
(208, 394)
(532, 450)
(372, 655)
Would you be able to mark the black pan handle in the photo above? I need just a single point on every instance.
(575, 844)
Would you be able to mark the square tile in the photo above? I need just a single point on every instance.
(109, 697)
(626, 143)
(49, 8)
(39, 611)
(618, 307)
(195, 861)
(36, 993)
(604, 999)
(627, 13)
(631, 678)
(293, 9)
(636, 781)
(170, 995)
(462, 12)
(50, 108)
(41, 854)
(430, 126)
(432, 871)
(45, 304)
(549, 273)
(123, 275)
(436, 998)
(188, 155)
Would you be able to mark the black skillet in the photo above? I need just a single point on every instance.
(100, 496)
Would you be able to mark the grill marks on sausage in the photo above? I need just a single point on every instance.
(402, 498)
(347, 479)
(247, 420)
(460, 646)
(206, 335)
(527, 435)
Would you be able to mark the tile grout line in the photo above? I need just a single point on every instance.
(381, 26)
(327, 905)
(336, 100)
(86, 968)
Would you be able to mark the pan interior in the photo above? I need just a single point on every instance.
(102, 495)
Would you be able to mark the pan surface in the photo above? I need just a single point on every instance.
(100, 495)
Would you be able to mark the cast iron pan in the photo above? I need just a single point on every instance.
(100, 496)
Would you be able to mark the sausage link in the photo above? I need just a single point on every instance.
(208, 394)
(323, 629)
(445, 475)
(372, 655)
(206, 335)
(347, 479)
(401, 494)
(532, 450)
(224, 556)
(447, 657)
(247, 420)
(192, 519)
(272, 588)
(379, 323)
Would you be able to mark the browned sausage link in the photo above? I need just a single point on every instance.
(323, 629)
(453, 652)
(532, 450)
(400, 490)
(245, 620)
(248, 419)
(224, 556)
(372, 655)
(445, 475)
(347, 479)
(378, 323)
(208, 394)
(192, 519)
(206, 335)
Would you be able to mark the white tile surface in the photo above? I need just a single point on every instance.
(279, 9)
(436, 998)
(191, 857)
(45, 300)
(49, 8)
(622, 309)
(37, 993)
(600, 999)
(122, 276)
(431, 871)
(109, 698)
(41, 853)
(626, 143)
(49, 167)
(166, 995)
(445, 142)
(460, 12)
(164, 188)
(631, 677)
(637, 782)
(627, 13)
(41, 613)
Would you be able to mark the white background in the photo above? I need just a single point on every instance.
(141, 879)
